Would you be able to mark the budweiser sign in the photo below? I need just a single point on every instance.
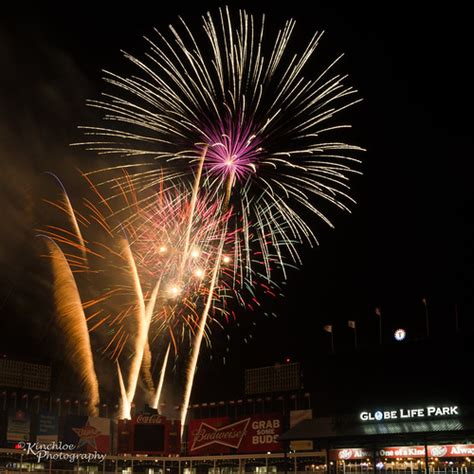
(253, 434)
(229, 435)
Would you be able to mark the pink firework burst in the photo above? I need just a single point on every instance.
(234, 149)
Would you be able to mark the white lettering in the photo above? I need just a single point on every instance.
(410, 413)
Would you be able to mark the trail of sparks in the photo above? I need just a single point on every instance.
(141, 327)
(194, 197)
(159, 388)
(199, 336)
(72, 322)
(125, 405)
(72, 216)
(153, 251)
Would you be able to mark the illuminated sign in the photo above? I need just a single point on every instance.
(410, 413)
(254, 434)
(438, 451)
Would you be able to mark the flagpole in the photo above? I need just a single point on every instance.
(426, 317)
(378, 313)
(380, 329)
(328, 328)
(353, 326)
(456, 316)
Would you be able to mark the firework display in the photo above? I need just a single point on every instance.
(224, 151)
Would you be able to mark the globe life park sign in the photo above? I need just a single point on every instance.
(433, 411)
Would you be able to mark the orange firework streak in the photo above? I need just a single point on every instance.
(156, 234)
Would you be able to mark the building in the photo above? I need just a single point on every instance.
(423, 437)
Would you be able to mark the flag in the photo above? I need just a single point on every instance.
(423, 300)
(351, 324)
(378, 312)
(328, 328)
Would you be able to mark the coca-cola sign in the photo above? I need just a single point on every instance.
(149, 420)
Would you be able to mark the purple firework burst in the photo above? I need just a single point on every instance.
(233, 149)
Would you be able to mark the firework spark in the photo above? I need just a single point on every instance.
(72, 322)
(234, 151)
(155, 297)
(159, 387)
(245, 106)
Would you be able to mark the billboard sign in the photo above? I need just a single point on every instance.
(213, 435)
(451, 450)
(254, 434)
(439, 451)
(296, 417)
(18, 428)
(48, 427)
(262, 434)
(403, 452)
(149, 434)
(349, 453)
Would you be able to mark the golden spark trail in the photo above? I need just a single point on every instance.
(72, 322)
(141, 331)
(193, 208)
(72, 216)
(146, 358)
(159, 388)
(143, 318)
(75, 224)
(125, 406)
(202, 326)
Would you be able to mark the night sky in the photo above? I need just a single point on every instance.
(409, 236)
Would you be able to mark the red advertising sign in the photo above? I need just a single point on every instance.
(148, 434)
(214, 435)
(440, 451)
(402, 452)
(262, 434)
(253, 434)
(124, 437)
(451, 450)
(349, 453)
